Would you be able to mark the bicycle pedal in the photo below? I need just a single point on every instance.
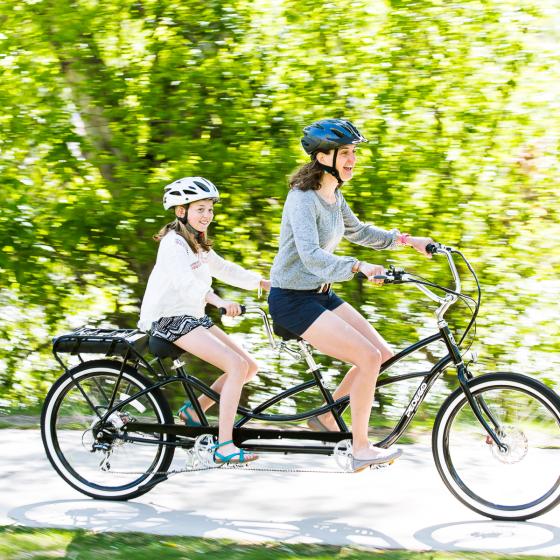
(382, 466)
(231, 465)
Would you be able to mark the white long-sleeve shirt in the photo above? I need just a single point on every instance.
(181, 279)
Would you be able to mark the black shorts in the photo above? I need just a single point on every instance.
(173, 328)
(297, 310)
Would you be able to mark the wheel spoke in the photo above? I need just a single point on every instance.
(94, 456)
(518, 481)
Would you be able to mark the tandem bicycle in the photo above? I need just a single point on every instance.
(109, 432)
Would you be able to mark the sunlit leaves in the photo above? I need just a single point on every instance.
(103, 103)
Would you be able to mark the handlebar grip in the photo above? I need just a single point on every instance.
(432, 248)
(384, 277)
(223, 310)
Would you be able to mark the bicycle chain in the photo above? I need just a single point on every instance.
(245, 467)
(231, 467)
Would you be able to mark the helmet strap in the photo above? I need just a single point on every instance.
(198, 235)
(331, 168)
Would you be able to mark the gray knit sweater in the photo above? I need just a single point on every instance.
(310, 231)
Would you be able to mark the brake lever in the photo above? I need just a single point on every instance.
(393, 276)
(396, 274)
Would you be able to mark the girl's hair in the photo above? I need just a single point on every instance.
(307, 177)
(196, 241)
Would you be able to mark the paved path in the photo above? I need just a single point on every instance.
(405, 506)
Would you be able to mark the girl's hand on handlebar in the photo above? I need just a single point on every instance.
(420, 244)
(372, 270)
(232, 308)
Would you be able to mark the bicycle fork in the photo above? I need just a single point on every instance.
(477, 404)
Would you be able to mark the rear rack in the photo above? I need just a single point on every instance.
(124, 343)
(111, 342)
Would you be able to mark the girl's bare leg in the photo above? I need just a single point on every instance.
(207, 402)
(208, 347)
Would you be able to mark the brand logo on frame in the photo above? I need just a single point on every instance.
(418, 395)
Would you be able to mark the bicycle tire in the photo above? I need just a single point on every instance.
(519, 483)
(70, 427)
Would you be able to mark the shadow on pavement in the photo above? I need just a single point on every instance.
(497, 536)
(112, 516)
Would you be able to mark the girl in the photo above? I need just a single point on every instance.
(314, 220)
(178, 290)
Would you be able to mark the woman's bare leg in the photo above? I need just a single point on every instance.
(356, 320)
(333, 336)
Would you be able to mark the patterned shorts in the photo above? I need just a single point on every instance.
(173, 328)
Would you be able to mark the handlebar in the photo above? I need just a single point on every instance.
(223, 310)
(432, 248)
(399, 276)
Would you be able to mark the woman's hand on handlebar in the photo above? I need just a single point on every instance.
(372, 270)
(420, 244)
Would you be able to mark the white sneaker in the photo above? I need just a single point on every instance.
(385, 456)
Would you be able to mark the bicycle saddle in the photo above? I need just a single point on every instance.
(283, 333)
(162, 348)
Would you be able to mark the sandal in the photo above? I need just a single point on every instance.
(186, 416)
(237, 458)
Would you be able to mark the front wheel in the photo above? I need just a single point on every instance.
(516, 483)
(93, 454)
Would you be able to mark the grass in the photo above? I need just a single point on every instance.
(17, 543)
(21, 422)
(20, 416)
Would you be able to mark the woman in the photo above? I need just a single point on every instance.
(178, 290)
(314, 220)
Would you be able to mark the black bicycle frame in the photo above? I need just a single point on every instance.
(113, 344)
(242, 434)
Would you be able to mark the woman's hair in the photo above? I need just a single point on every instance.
(196, 242)
(307, 177)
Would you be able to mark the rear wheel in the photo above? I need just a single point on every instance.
(93, 456)
(515, 483)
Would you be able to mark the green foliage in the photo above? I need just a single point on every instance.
(105, 102)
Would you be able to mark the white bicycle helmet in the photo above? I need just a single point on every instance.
(187, 190)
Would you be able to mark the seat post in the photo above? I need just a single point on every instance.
(315, 369)
(308, 356)
(178, 363)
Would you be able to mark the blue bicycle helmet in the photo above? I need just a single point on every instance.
(330, 134)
